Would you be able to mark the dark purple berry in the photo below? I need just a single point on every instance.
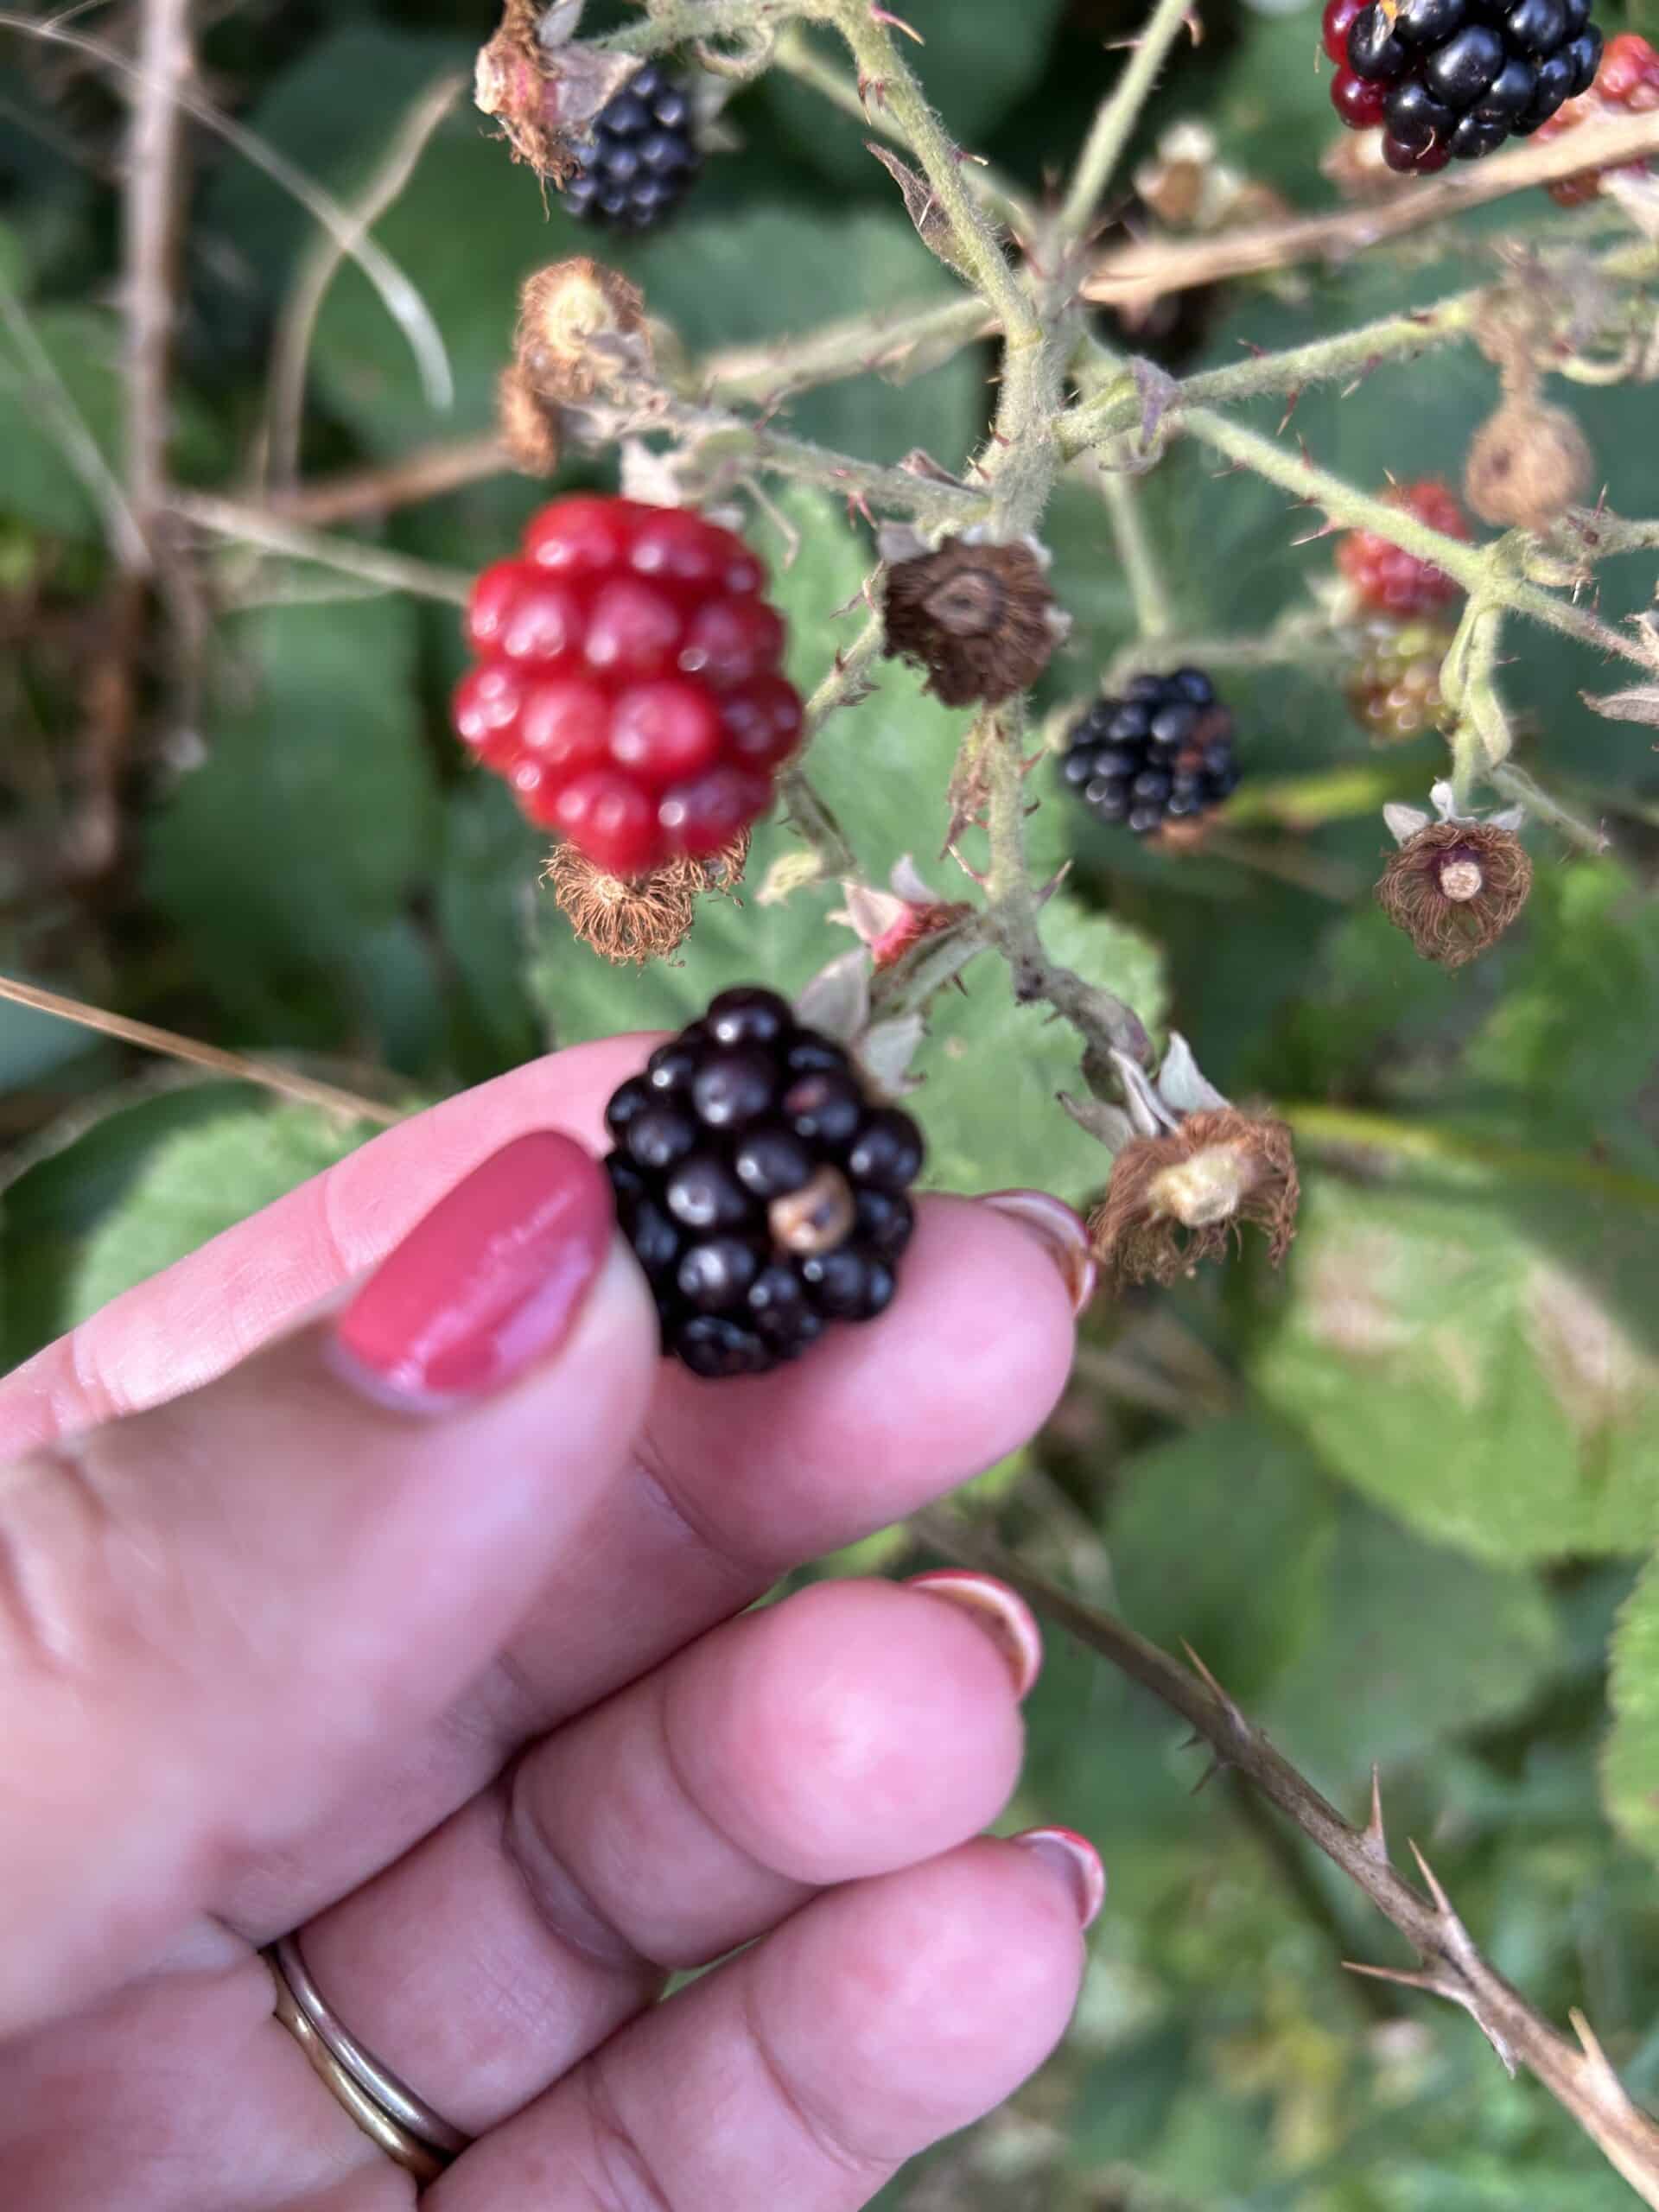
(639, 159)
(889, 1151)
(704, 1192)
(734, 1086)
(1536, 26)
(1373, 52)
(1162, 734)
(761, 1189)
(849, 1284)
(1583, 52)
(1509, 94)
(1459, 72)
(1555, 86)
(747, 1017)
(1430, 22)
(1414, 117)
(1472, 140)
(714, 1275)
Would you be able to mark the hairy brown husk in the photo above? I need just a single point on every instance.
(527, 423)
(647, 918)
(1527, 464)
(1138, 1239)
(581, 325)
(1454, 931)
(976, 616)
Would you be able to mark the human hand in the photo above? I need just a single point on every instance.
(459, 1694)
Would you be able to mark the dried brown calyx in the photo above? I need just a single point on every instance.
(543, 87)
(1528, 463)
(1455, 886)
(978, 616)
(646, 918)
(1190, 1170)
(581, 325)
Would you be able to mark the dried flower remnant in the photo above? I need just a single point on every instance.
(890, 922)
(647, 918)
(1528, 463)
(581, 325)
(1454, 886)
(1191, 1170)
(529, 424)
(978, 616)
(544, 88)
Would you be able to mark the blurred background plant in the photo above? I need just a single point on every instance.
(1399, 1501)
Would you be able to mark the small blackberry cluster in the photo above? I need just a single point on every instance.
(1453, 78)
(1162, 752)
(642, 159)
(762, 1192)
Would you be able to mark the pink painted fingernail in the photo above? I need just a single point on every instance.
(1075, 1857)
(1064, 1233)
(1002, 1613)
(487, 1284)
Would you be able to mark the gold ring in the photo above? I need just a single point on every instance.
(425, 2160)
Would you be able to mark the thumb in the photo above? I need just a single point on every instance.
(216, 1615)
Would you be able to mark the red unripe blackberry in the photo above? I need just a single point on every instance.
(1627, 83)
(1335, 25)
(627, 687)
(1393, 581)
(1358, 101)
(762, 1188)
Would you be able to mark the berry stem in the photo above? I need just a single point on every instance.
(762, 375)
(1472, 566)
(885, 79)
(1152, 611)
(1516, 786)
(1115, 121)
(1482, 739)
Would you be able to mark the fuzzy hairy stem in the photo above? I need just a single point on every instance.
(1152, 611)
(886, 78)
(1471, 566)
(679, 22)
(762, 375)
(1115, 121)
(1581, 2081)
(799, 58)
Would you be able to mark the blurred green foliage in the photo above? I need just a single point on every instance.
(1397, 1501)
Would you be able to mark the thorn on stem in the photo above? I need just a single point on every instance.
(1374, 1840)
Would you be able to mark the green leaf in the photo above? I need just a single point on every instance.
(1630, 1769)
(75, 1176)
(1416, 1643)
(1468, 1356)
(195, 1182)
(311, 820)
(1222, 1538)
(38, 483)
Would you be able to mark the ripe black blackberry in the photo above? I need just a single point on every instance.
(762, 1191)
(642, 157)
(1454, 78)
(1162, 752)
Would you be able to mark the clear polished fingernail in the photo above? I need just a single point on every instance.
(488, 1283)
(1002, 1613)
(1064, 1232)
(1074, 1857)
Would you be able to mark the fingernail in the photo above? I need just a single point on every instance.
(1064, 1233)
(1075, 1857)
(487, 1284)
(1002, 1613)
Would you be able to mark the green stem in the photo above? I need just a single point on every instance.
(765, 374)
(885, 77)
(1469, 565)
(1115, 119)
(677, 22)
(1152, 611)
(1515, 784)
(1347, 1125)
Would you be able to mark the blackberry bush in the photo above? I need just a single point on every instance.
(761, 1187)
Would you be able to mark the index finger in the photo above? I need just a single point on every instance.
(210, 1310)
